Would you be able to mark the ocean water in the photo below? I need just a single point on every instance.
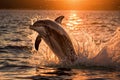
(94, 34)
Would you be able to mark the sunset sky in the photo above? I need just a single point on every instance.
(61, 4)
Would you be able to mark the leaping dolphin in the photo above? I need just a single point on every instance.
(55, 37)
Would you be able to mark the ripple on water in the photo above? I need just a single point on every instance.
(15, 47)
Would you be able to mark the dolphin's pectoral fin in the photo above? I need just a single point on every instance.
(59, 19)
(37, 42)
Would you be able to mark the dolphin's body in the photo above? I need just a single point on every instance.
(55, 37)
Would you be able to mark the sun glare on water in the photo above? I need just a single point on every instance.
(73, 21)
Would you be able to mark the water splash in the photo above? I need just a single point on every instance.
(107, 54)
(110, 54)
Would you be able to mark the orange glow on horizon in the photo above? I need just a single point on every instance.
(82, 4)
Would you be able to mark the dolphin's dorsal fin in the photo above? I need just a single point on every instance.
(59, 19)
(37, 42)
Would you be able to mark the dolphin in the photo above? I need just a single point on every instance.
(55, 37)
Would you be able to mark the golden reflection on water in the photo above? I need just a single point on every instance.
(74, 21)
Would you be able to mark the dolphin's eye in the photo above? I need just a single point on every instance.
(36, 25)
